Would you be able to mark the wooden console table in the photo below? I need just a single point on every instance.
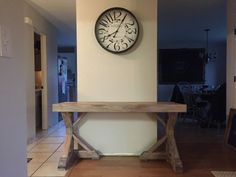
(74, 143)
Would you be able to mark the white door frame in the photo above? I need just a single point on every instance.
(43, 46)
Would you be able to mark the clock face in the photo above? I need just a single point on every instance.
(116, 30)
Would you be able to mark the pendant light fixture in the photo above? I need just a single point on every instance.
(209, 56)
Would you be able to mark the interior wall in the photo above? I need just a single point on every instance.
(231, 54)
(13, 93)
(216, 69)
(103, 76)
(41, 26)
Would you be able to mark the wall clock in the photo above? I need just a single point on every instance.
(117, 30)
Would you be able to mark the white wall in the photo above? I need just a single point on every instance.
(231, 54)
(13, 94)
(42, 26)
(216, 69)
(103, 76)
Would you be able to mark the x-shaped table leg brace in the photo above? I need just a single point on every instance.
(74, 142)
(170, 154)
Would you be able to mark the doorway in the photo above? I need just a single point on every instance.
(67, 79)
(40, 68)
(38, 82)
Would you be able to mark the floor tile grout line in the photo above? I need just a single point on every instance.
(40, 140)
(45, 136)
(46, 159)
(69, 172)
(36, 143)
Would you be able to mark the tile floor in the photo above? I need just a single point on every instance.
(45, 152)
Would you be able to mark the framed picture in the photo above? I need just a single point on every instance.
(230, 133)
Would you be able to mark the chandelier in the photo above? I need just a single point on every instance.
(209, 56)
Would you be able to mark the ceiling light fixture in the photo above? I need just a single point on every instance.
(209, 56)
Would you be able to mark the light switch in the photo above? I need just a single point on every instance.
(5, 48)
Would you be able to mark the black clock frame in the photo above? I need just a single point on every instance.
(97, 21)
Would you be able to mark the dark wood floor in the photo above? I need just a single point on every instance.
(201, 149)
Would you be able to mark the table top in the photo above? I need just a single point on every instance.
(119, 107)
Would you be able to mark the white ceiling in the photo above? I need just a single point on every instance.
(178, 21)
(62, 14)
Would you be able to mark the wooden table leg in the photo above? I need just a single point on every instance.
(154, 153)
(83, 148)
(171, 148)
(170, 154)
(74, 143)
(68, 141)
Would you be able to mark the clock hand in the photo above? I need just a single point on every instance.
(119, 26)
(115, 32)
(111, 34)
(107, 36)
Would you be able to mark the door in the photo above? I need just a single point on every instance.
(41, 93)
(38, 82)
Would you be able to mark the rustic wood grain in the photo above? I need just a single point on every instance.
(68, 141)
(85, 150)
(119, 107)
